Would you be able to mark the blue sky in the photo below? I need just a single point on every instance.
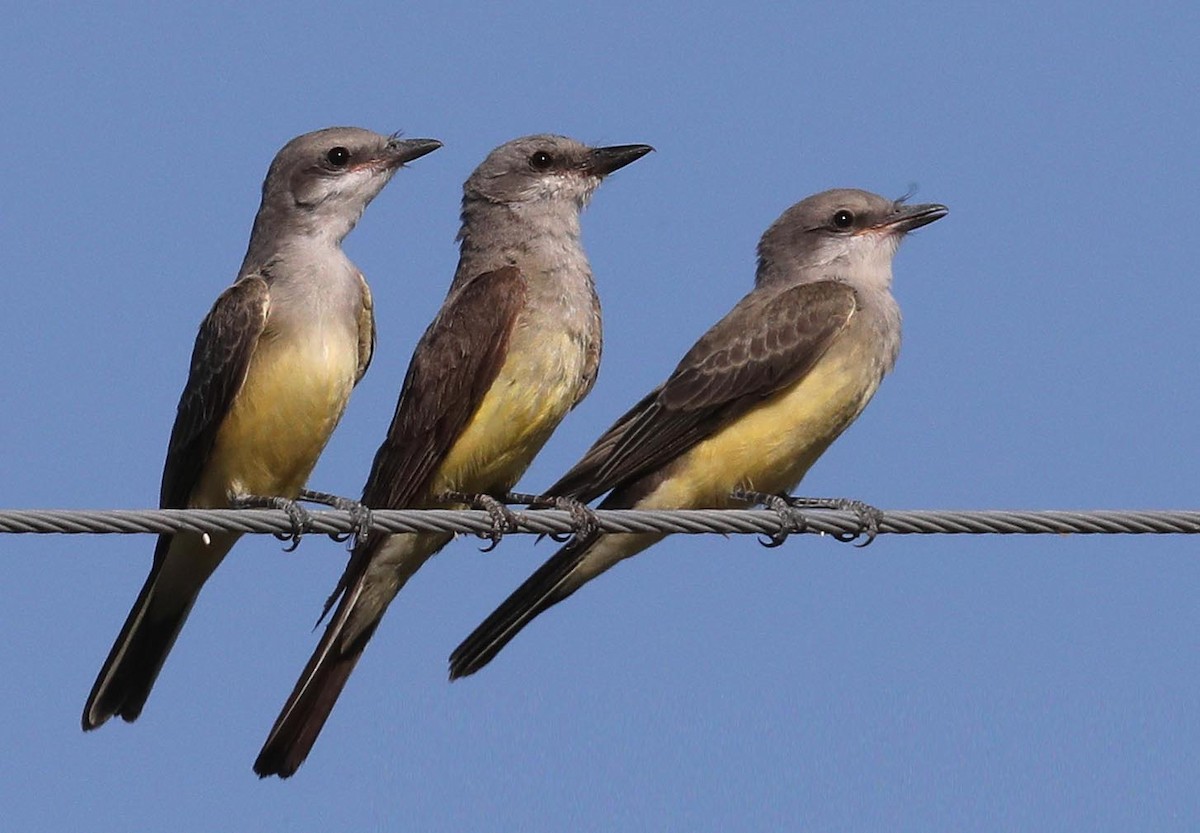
(924, 683)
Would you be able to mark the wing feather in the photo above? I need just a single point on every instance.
(765, 344)
(220, 361)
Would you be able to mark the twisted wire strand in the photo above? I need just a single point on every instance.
(677, 521)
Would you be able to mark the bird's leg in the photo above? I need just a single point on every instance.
(869, 517)
(300, 519)
(503, 519)
(360, 515)
(789, 520)
(584, 520)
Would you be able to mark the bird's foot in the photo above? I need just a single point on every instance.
(584, 520)
(503, 519)
(301, 521)
(789, 519)
(360, 515)
(869, 518)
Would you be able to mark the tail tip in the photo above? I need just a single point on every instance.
(265, 769)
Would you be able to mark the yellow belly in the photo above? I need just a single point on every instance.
(770, 448)
(293, 396)
(535, 388)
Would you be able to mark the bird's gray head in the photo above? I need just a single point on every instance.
(321, 182)
(546, 170)
(845, 234)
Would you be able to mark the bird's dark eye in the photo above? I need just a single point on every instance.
(843, 219)
(541, 160)
(338, 157)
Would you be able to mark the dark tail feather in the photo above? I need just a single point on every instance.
(125, 680)
(311, 701)
(544, 589)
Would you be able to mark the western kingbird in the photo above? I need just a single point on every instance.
(752, 405)
(515, 346)
(271, 372)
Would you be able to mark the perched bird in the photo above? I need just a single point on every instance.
(271, 373)
(751, 406)
(515, 346)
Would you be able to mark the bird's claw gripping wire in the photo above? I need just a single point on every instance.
(300, 519)
(503, 519)
(789, 520)
(584, 520)
(869, 518)
(360, 515)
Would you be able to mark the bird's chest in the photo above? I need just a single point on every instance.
(295, 391)
(542, 377)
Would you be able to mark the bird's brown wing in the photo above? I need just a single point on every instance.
(220, 361)
(454, 365)
(366, 330)
(766, 343)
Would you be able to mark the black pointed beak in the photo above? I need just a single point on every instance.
(603, 161)
(908, 217)
(400, 151)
